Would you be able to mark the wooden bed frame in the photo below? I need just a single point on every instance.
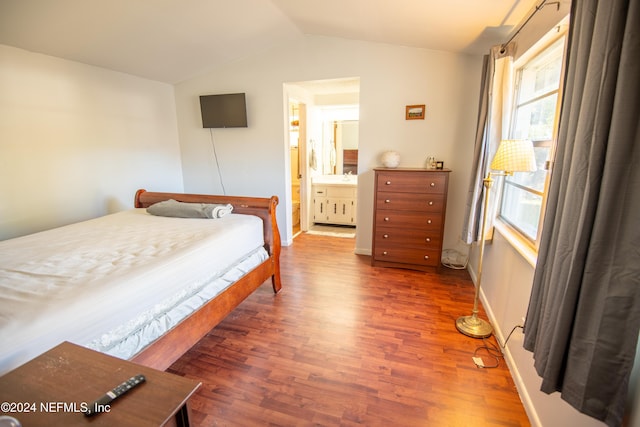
(173, 344)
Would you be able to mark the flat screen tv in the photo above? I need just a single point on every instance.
(223, 111)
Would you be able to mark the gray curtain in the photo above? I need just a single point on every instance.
(489, 131)
(470, 228)
(584, 313)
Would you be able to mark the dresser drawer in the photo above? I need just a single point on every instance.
(425, 239)
(398, 254)
(415, 182)
(423, 202)
(409, 220)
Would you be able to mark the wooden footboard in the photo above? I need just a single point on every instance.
(168, 348)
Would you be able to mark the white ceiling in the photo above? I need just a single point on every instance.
(174, 40)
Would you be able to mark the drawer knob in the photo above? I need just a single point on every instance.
(385, 236)
(426, 257)
(431, 203)
(428, 239)
(433, 184)
(387, 183)
(428, 221)
(387, 201)
(384, 253)
(386, 218)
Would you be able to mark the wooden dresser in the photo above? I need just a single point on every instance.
(409, 213)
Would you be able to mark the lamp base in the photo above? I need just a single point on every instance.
(474, 327)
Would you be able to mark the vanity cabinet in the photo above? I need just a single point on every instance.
(409, 214)
(334, 204)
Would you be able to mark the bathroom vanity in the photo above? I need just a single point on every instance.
(334, 199)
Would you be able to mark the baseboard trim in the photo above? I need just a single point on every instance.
(529, 407)
(362, 251)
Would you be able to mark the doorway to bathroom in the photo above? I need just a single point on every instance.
(322, 129)
(297, 130)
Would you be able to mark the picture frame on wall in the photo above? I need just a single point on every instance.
(415, 112)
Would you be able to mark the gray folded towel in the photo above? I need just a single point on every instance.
(217, 211)
(173, 208)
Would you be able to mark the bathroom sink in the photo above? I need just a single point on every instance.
(335, 179)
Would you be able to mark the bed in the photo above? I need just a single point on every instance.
(134, 285)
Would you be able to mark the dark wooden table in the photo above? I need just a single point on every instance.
(54, 388)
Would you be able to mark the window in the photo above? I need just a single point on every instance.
(534, 117)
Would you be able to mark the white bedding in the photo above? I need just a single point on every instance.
(85, 280)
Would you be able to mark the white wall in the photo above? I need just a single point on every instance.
(77, 141)
(253, 160)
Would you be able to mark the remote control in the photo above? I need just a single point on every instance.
(100, 405)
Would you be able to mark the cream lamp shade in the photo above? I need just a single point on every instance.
(514, 155)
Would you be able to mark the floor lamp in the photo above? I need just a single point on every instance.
(512, 156)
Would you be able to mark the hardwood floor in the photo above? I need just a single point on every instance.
(346, 344)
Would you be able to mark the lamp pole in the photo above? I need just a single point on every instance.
(472, 325)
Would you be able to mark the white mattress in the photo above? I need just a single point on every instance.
(85, 280)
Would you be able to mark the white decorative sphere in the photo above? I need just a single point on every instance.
(390, 159)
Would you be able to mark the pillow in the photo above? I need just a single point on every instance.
(173, 208)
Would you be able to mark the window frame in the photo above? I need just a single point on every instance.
(512, 231)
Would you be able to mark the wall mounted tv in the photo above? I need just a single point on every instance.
(223, 111)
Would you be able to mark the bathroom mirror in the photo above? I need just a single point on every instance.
(340, 147)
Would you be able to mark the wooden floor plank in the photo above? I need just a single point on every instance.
(347, 344)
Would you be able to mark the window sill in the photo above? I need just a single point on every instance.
(521, 246)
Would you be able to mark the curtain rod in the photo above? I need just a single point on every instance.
(538, 8)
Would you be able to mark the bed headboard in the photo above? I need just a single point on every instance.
(262, 207)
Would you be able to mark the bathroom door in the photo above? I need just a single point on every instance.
(299, 167)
